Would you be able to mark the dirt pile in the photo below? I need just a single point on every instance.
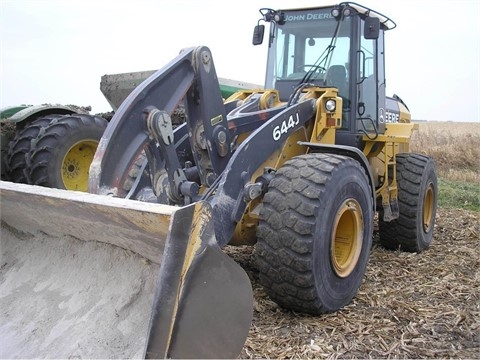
(65, 298)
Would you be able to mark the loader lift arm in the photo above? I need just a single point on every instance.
(190, 76)
(142, 122)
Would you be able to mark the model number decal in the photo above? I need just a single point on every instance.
(278, 130)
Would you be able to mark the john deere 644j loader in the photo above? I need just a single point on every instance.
(299, 169)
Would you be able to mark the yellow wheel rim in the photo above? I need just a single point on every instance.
(347, 238)
(76, 165)
(428, 208)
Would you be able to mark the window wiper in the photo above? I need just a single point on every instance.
(317, 64)
(324, 58)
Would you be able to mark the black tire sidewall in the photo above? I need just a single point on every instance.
(345, 184)
(414, 174)
(429, 177)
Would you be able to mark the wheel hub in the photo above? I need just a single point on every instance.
(76, 165)
(347, 238)
(428, 208)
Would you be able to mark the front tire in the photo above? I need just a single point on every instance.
(315, 233)
(61, 155)
(417, 203)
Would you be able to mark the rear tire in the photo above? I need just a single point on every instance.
(417, 203)
(315, 233)
(61, 155)
(19, 147)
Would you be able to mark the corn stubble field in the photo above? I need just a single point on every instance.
(410, 305)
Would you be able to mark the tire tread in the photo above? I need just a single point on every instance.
(285, 232)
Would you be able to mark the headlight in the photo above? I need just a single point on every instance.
(330, 105)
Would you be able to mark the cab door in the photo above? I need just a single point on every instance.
(370, 107)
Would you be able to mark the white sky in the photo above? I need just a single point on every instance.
(54, 51)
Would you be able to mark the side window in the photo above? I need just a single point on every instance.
(290, 61)
(285, 55)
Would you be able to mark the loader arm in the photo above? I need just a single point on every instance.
(189, 78)
(203, 305)
(142, 123)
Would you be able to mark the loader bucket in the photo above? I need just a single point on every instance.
(203, 304)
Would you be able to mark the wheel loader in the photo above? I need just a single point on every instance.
(300, 169)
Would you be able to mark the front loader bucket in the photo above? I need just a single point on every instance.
(203, 297)
(202, 306)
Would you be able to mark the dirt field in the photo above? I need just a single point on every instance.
(409, 306)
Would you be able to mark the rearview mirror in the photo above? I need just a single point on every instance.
(258, 34)
(372, 28)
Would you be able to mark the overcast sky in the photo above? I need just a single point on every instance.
(54, 51)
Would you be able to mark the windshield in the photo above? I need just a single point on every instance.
(306, 42)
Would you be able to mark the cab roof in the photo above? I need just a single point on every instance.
(387, 23)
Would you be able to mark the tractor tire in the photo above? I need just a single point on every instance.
(315, 233)
(61, 154)
(417, 203)
(19, 148)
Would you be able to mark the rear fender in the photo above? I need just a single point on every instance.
(27, 113)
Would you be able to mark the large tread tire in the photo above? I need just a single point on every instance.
(417, 203)
(61, 154)
(313, 203)
(19, 148)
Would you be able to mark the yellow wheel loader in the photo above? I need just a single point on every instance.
(299, 169)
